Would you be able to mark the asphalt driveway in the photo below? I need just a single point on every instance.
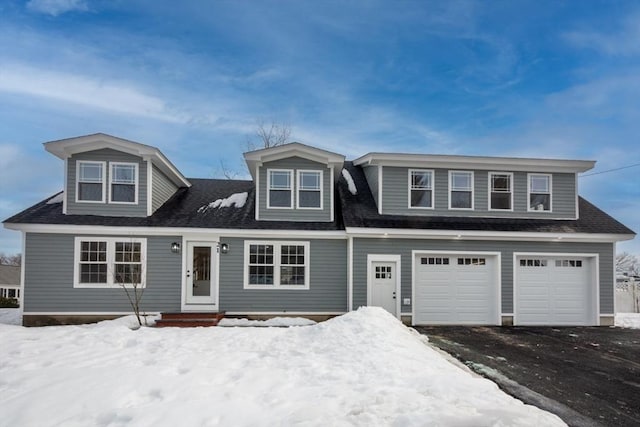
(589, 376)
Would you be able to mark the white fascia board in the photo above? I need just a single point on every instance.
(485, 235)
(174, 231)
(475, 162)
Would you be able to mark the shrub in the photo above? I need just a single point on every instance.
(8, 303)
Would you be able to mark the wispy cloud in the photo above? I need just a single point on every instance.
(623, 41)
(57, 7)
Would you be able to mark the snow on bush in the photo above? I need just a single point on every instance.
(11, 316)
(361, 369)
(237, 199)
(628, 320)
(276, 321)
(352, 186)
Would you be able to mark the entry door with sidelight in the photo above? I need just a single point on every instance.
(383, 285)
(200, 272)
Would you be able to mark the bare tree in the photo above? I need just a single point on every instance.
(15, 259)
(269, 135)
(226, 171)
(627, 264)
(129, 275)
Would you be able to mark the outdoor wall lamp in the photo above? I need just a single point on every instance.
(175, 247)
(224, 248)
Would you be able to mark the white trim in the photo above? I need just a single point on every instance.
(104, 180)
(498, 272)
(258, 192)
(380, 189)
(201, 303)
(595, 274)
(409, 188)
(65, 194)
(285, 313)
(149, 187)
(299, 188)
(349, 273)
(136, 182)
(397, 260)
(331, 193)
(473, 196)
(291, 188)
(110, 261)
(529, 175)
(474, 162)
(490, 188)
(577, 216)
(277, 248)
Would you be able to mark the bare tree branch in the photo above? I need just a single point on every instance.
(15, 259)
(269, 135)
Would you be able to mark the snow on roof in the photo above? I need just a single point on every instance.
(236, 199)
(56, 199)
(352, 186)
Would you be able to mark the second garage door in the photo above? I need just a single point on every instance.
(455, 289)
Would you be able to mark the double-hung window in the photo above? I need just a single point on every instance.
(109, 262)
(309, 189)
(276, 265)
(124, 178)
(539, 192)
(500, 191)
(421, 189)
(90, 179)
(460, 190)
(280, 184)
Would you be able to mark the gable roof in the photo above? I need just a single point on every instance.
(9, 275)
(65, 148)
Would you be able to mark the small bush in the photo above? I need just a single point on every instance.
(8, 303)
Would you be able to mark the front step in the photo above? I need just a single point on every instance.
(189, 319)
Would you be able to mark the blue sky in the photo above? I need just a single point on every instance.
(557, 79)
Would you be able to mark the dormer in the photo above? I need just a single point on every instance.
(110, 176)
(294, 182)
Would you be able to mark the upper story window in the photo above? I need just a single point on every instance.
(280, 184)
(421, 189)
(309, 189)
(539, 192)
(90, 182)
(460, 190)
(124, 179)
(500, 191)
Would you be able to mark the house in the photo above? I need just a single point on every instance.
(10, 282)
(434, 239)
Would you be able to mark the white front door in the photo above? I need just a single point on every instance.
(383, 285)
(201, 273)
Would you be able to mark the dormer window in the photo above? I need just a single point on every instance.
(460, 190)
(309, 189)
(421, 189)
(124, 179)
(91, 182)
(500, 192)
(280, 189)
(539, 192)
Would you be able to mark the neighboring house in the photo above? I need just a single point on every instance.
(432, 239)
(10, 282)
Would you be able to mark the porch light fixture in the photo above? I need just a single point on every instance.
(175, 247)
(224, 248)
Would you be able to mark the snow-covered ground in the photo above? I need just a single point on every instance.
(10, 316)
(361, 369)
(628, 320)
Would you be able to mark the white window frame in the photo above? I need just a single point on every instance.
(291, 187)
(135, 182)
(103, 165)
(299, 188)
(451, 172)
(550, 177)
(111, 254)
(490, 187)
(410, 187)
(277, 251)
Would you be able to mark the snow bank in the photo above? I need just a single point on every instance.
(361, 369)
(276, 321)
(237, 199)
(58, 198)
(352, 186)
(628, 320)
(11, 316)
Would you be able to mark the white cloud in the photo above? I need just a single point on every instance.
(57, 7)
(86, 91)
(624, 42)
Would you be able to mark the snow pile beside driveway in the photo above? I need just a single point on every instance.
(628, 320)
(361, 369)
(11, 316)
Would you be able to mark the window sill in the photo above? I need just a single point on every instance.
(278, 287)
(105, 286)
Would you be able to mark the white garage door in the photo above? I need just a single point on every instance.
(554, 290)
(455, 289)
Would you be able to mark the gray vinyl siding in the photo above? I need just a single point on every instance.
(363, 247)
(161, 188)
(106, 208)
(371, 173)
(395, 195)
(49, 270)
(327, 289)
(295, 164)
